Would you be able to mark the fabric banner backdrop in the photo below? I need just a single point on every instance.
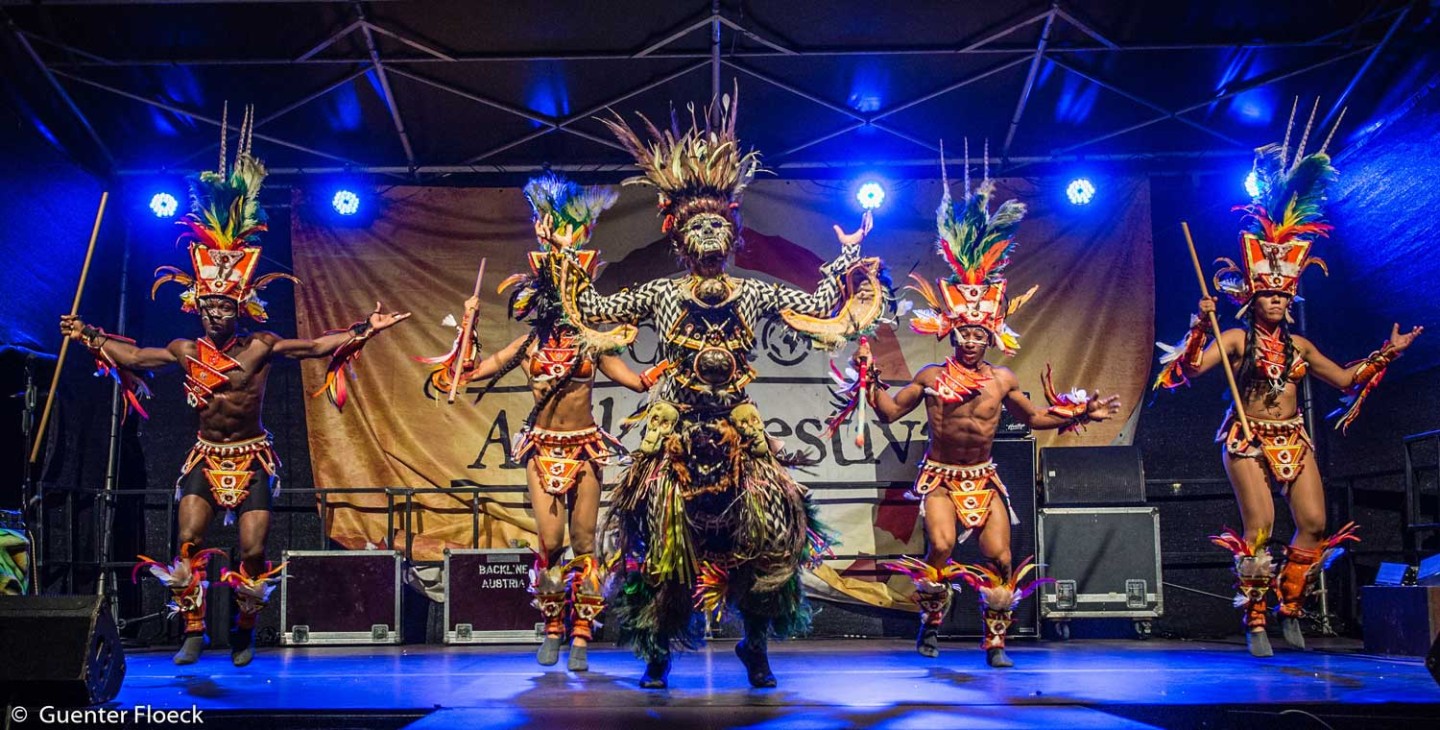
(1092, 318)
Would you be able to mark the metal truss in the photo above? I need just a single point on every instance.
(410, 67)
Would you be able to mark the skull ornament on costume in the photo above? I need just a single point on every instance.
(751, 426)
(661, 423)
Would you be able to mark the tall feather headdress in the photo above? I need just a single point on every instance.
(223, 228)
(1283, 219)
(694, 169)
(976, 244)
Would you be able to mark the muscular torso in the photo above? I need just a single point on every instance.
(963, 432)
(232, 411)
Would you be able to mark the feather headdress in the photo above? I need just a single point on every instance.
(976, 244)
(1283, 220)
(695, 169)
(223, 228)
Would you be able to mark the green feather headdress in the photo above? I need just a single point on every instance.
(975, 243)
(570, 207)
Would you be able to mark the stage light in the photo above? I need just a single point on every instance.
(346, 202)
(163, 205)
(1252, 185)
(1080, 191)
(871, 195)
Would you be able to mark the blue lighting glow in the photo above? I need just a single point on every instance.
(164, 205)
(870, 195)
(1252, 185)
(1080, 191)
(346, 202)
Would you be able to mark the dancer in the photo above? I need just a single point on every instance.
(233, 466)
(1266, 442)
(562, 448)
(707, 515)
(963, 397)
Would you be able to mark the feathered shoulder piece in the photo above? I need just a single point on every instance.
(572, 209)
(975, 243)
(700, 162)
(225, 210)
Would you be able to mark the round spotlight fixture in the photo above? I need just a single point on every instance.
(164, 205)
(346, 202)
(1080, 191)
(871, 195)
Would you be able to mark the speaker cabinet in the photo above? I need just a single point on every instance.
(1092, 475)
(58, 650)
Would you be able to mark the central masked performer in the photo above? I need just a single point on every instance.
(707, 516)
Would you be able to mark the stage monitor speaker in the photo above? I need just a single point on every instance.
(58, 650)
(1092, 475)
(1015, 465)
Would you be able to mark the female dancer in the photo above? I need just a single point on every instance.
(1269, 362)
(561, 446)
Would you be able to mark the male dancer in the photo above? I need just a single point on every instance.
(233, 465)
(963, 397)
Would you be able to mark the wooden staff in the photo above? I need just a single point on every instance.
(467, 331)
(1215, 327)
(65, 343)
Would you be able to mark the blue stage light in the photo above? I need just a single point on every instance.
(163, 205)
(1080, 191)
(346, 202)
(870, 195)
(1252, 185)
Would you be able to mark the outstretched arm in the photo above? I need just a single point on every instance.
(329, 343)
(1068, 413)
(118, 350)
(1361, 372)
(1358, 378)
(826, 296)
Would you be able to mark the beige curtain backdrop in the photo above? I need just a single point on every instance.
(1092, 319)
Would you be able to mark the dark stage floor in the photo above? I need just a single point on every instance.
(823, 684)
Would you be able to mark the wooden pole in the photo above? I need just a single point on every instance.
(65, 343)
(1215, 327)
(466, 333)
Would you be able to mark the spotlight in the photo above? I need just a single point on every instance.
(346, 202)
(871, 195)
(1252, 185)
(1080, 191)
(163, 205)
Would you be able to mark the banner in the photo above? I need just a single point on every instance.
(1092, 319)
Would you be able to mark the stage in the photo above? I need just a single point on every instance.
(823, 684)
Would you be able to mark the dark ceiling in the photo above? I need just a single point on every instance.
(467, 91)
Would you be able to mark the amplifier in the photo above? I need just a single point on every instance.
(1080, 475)
(487, 597)
(1010, 428)
(340, 597)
